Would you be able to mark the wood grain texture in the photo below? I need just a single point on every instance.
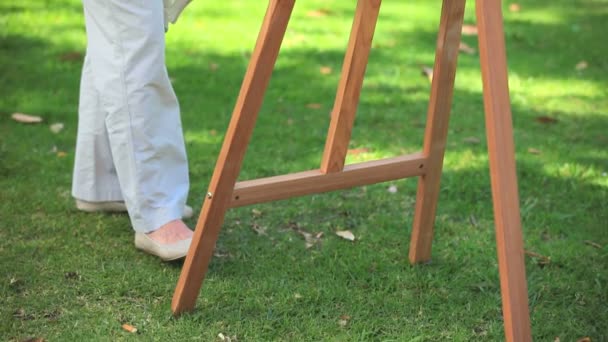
(349, 88)
(315, 181)
(442, 89)
(501, 151)
(232, 153)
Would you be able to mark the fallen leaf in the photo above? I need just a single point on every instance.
(226, 338)
(469, 30)
(221, 254)
(466, 49)
(582, 65)
(56, 127)
(541, 259)
(325, 70)
(473, 221)
(389, 43)
(72, 275)
(346, 234)
(584, 339)
(256, 212)
(545, 119)
(557, 339)
(26, 118)
(258, 229)
(213, 66)
(309, 239)
(533, 150)
(34, 339)
(592, 244)
(129, 328)
(313, 106)
(61, 154)
(20, 314)
(290, 121)
(356, 151)
(472, 140)
(319, 13)
(72, 56)
(294, 39)
(428, 72)
(392, 189)
(343, 321)
(514, 7)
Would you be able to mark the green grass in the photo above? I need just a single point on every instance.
(66, 275)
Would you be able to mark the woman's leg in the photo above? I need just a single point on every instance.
(126, 49)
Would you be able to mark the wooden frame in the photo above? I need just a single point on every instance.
(225, 192)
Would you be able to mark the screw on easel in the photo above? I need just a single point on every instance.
(209, 195)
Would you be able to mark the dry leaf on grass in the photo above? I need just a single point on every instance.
(469, 30)
(26, 118)
(343, 321)
(466, 49)
(533, 150)
(56, 127)
(226, 338)
(313, 106)
(221, 254)
(72, 56)
(584, 339)
(319, 13)
(593, 244)
(325, 70)
(428, 72)
(61, 154)
(256, 212)
(129, 328)
(309, 238)
(545, 119)
(541, 259)
(213, 66)
(258, 229)
(472, 140)
(514, 7)
(346, 234)
(582, 65)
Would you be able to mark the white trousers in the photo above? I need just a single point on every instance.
(130, 144)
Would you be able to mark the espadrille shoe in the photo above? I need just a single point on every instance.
(165, 251)
(117, 207)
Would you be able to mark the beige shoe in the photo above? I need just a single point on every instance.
(117, 207)
(165, 251)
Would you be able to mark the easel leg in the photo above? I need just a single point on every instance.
(231, 156)
(509, 241)
(347, 97)
(442, 89)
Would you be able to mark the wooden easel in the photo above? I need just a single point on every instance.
(225, 192)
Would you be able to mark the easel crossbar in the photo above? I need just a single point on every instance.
(315, 181)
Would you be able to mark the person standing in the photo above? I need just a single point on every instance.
(130, 151)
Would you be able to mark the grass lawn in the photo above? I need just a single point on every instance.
(71, 276)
